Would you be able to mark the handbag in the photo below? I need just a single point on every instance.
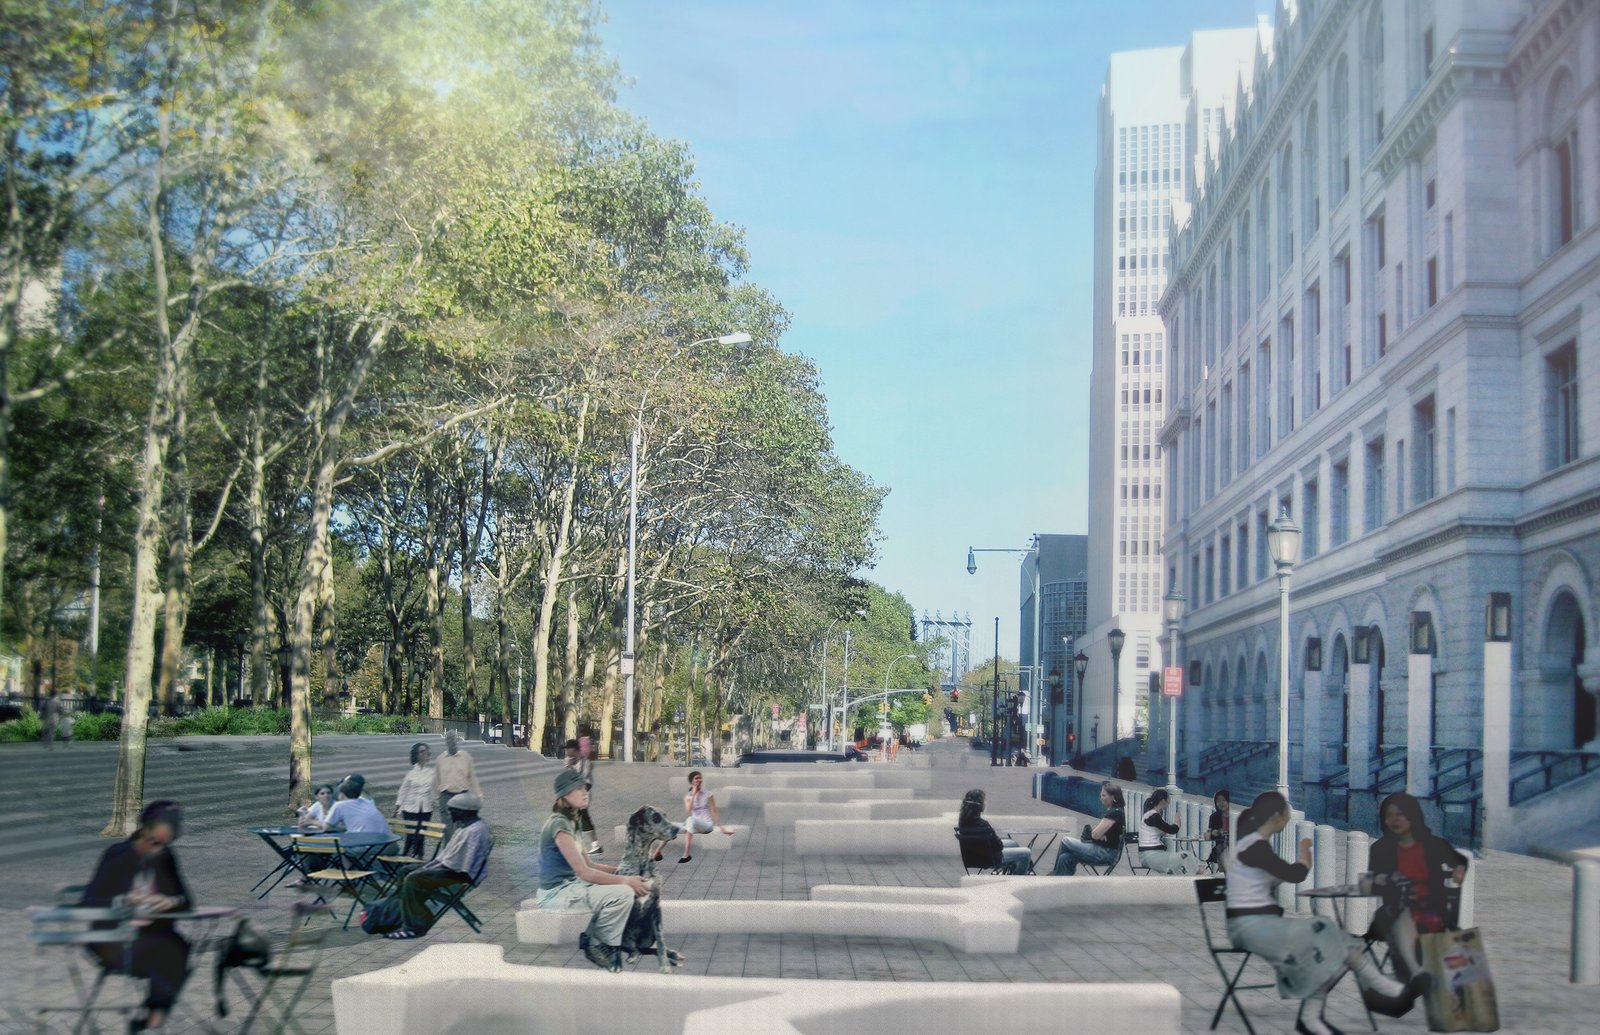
(1462, 997)
(383, 916)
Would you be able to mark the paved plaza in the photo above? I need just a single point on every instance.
(227, 784)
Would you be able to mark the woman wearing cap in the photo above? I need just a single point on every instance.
(569, 880)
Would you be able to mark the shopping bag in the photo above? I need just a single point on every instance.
(1462, 996)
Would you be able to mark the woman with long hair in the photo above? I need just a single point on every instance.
(1013, 857)
(1217, 828)
(414, 800)
(569, 880)
(1410, 864)
(1100, 843)
(1309, 953)
(1153, 850)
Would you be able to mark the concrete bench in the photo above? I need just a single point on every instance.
(716, 841)
(813, 778)
(472, 990)
(742, 797)
(783, 813)
(537, 926)
(927, 836)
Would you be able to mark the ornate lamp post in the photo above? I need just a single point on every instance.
(1115, 639)
(1283, 543)
(1172, 610)
(1080, 665)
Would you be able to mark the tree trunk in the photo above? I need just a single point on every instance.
(537, 711)
(432, 547)
(328, 640)
(175, 609)
(608, 698)
(256, 511)
(569, 683)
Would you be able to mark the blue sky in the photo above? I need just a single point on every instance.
(916, 184)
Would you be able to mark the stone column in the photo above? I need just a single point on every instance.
(1360, 757)
(1496, 744)
(1311, 726)
(1419, 720)
(1589, 676)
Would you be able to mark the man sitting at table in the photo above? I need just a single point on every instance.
(144, 872)
(354, 814)
(463, 860)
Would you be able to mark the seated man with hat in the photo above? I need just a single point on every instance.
(463, 860)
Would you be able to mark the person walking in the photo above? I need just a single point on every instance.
(49, 715)
(568, 880)
(414, 801)
(454, 774)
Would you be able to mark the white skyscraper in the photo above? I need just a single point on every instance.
(1160, 113)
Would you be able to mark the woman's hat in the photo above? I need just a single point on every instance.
(568, 780)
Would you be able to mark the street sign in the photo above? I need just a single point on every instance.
(1172, 681)
(627, 664)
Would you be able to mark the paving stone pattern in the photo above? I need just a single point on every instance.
(50, 837)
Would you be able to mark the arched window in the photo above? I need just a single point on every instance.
(1372, 99)
(1244, 268)
(1339, 134)
(1310, 199)
(1227, 288)
(1264, 242)
(1285, 217)
(1562, 162)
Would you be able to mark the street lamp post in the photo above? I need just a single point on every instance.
(1283, 543)
(1033, 679)
(1080, 665)
(1115, 639)
(1173, 608)
(736, 338)
(827, 715)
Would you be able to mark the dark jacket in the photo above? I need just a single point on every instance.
(119, 866)
(978, 829)
(1383, 857)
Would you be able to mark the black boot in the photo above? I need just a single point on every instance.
(606, 957)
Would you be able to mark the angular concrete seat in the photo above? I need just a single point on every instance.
(537, 926)
(716, 841)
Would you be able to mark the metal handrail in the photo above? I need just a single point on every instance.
(1544, 769)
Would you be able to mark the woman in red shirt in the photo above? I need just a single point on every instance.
(1410, 864)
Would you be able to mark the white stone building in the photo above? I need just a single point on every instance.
(1383, 315)
(1160, 111)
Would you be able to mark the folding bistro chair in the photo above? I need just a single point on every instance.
(1211, 891)
(1130, 848)
(75, 927)
(391, 868)
(282, 978)
(335, 875)
(453, 897)
(977, 852)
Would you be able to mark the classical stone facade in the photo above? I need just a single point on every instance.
(1383, 319)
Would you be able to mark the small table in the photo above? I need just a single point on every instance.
(1337, 893)
(281, 840)
(1033, 836)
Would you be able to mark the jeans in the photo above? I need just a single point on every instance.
(1072, 852)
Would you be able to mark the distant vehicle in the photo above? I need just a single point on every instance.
(762, 757)
(519, 734)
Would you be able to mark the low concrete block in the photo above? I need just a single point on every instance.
(783, 813)
(742, 797)
(927, 836)
(716, 841)
(537, 926)
(472, 990)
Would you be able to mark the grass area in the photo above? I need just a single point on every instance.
(240, 722)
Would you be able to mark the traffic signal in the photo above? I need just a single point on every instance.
(927, 698)
(955, 695)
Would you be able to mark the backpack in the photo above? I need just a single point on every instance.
(383, 916)
(244, 948)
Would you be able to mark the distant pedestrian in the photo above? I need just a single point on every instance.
(64, 725)
(576, 762)
(49, 715)
(454, 774)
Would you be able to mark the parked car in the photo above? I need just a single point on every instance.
(519, 734)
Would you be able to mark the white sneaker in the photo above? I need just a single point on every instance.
(595, 848)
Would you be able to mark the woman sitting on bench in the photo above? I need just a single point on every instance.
(1011, 857)
(1101, 844)
(568, 880)
(1309, 953)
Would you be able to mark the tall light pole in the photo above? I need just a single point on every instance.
(1283, 543)
(1172, 609)
(1080, 665)
(827, 715)
(1115, 639)
(886, 671)
(736, 338)
(972, 569)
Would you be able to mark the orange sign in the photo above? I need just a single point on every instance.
(1172, 681)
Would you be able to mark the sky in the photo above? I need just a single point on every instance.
(916, 183)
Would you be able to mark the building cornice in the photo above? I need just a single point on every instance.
(1548, 30)
(1532, 524)
(1463, 528)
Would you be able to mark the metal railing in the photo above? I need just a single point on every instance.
(1537, 772)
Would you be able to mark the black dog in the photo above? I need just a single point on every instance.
(648, 830)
